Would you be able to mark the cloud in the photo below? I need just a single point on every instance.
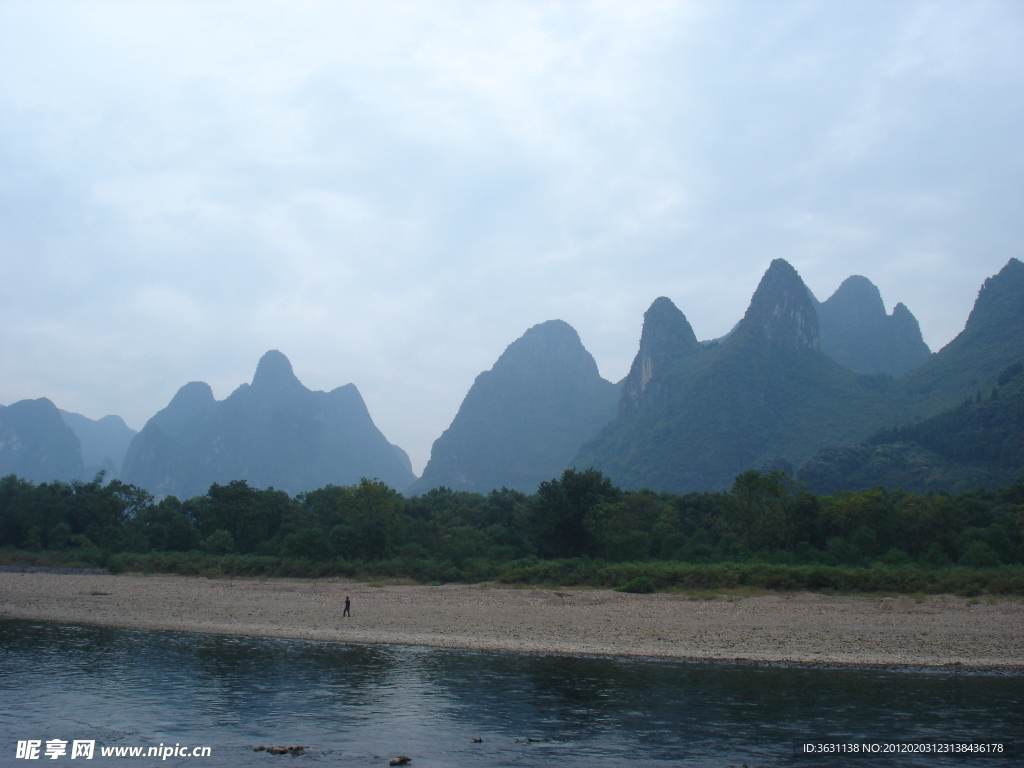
(390, 193)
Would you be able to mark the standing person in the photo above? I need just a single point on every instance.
(348, 607)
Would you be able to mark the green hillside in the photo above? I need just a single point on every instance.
(992, 339)
(766, 395)
(732, 410)
(977, 444)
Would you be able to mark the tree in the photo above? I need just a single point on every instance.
(558, 511)
(759, 508)
(248, 514)
(623, 530)
(370, 513)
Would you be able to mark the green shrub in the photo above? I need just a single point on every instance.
(218, 543)
(641, 585)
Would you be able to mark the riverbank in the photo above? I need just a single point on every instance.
(775, 627)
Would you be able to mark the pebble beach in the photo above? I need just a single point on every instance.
(802, 628)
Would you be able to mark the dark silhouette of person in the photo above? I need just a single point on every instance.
(348, 607)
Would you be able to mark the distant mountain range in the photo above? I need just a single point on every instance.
(840, 390)
(104, 442)
(37, 445)
(689, 415)
(41, 443)
(964, 424)
(767, 395)
(272, 433)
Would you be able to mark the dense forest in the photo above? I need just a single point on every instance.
(579, 528)
(977, 444)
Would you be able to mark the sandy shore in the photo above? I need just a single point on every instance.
(802, 628)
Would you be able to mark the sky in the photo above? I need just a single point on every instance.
(390, 193)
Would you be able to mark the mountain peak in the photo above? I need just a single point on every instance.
(900, 310)
(274, 371)
(856, 332)
(271, 433)
(195, 394)
(545, 348)
(550, 332)
(666, 337)
(857, 295)
(781, 312)
(523, 420)
(999, 299)
(36, 444)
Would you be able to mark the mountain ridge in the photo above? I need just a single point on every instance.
(104, 442)
(37, 445)
(272, 432)
(991, 339)
(765, 392)
(857, 332)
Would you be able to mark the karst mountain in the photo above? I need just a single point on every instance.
(839, 392)
(523, 420)
(36, 444)
(694, 416)
(857, 333)
(963, 426)
(273, 432)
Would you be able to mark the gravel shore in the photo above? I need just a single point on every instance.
(776, 627)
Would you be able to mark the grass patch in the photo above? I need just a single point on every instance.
(737, 579)
(704, 594)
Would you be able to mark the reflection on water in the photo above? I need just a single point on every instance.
(362, 704)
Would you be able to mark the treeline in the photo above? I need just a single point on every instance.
(763, 520)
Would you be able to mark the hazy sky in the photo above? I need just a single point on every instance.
(390, 193)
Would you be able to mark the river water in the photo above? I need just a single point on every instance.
(360, 705)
